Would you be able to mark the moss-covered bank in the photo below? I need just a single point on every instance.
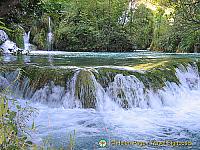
(152, 77)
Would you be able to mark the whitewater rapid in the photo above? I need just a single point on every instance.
(174, 115)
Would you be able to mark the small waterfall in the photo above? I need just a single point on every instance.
(125, 108)
(82, 91)
(125, 16)
(7, 45)
(26, 40)
(49, 36)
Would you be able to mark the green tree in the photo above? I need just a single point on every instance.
(140, 27)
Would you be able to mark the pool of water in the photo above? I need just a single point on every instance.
(56, 58)
(176, 124)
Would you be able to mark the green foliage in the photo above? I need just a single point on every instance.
(181, 34)
(91, 26)
(3, 26)
(13, 123)
(71, 144)
(161, 29)
(107, 25)
(141, 26)
(17, 35)
(40, 39)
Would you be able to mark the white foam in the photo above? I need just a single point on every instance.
(174, 112)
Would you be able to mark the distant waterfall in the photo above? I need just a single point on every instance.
(124, 18)
(26, 38)
(49, 36)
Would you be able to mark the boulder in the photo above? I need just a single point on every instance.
(3, 36)
(9, 47)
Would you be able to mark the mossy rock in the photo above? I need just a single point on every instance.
(156, 78)
(41, 76)
(153, 78)
(85, 90)
(3, 36)
(107, 75)
(9, 68)
(40, 39)
(17, 36)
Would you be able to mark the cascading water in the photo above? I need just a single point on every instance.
(49, 36)
(124, 109)
(124, 18)
(26, 38)
(6, 44)
(9, 47)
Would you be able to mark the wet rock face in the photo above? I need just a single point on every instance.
(6, 45)
(9, 47)
(3, 36)
(3, 83)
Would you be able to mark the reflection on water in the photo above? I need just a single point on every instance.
(27, 59)
(9, 58)
(50, 60)
(44, 58)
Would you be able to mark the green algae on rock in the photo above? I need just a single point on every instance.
(85, 89)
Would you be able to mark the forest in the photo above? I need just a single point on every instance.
(106, 25)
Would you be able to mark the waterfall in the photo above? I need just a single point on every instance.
(26, 40)
(92, 100)
(124, 18)
(83, 90)
(49, 36)
(7, 45)
(10, 47)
